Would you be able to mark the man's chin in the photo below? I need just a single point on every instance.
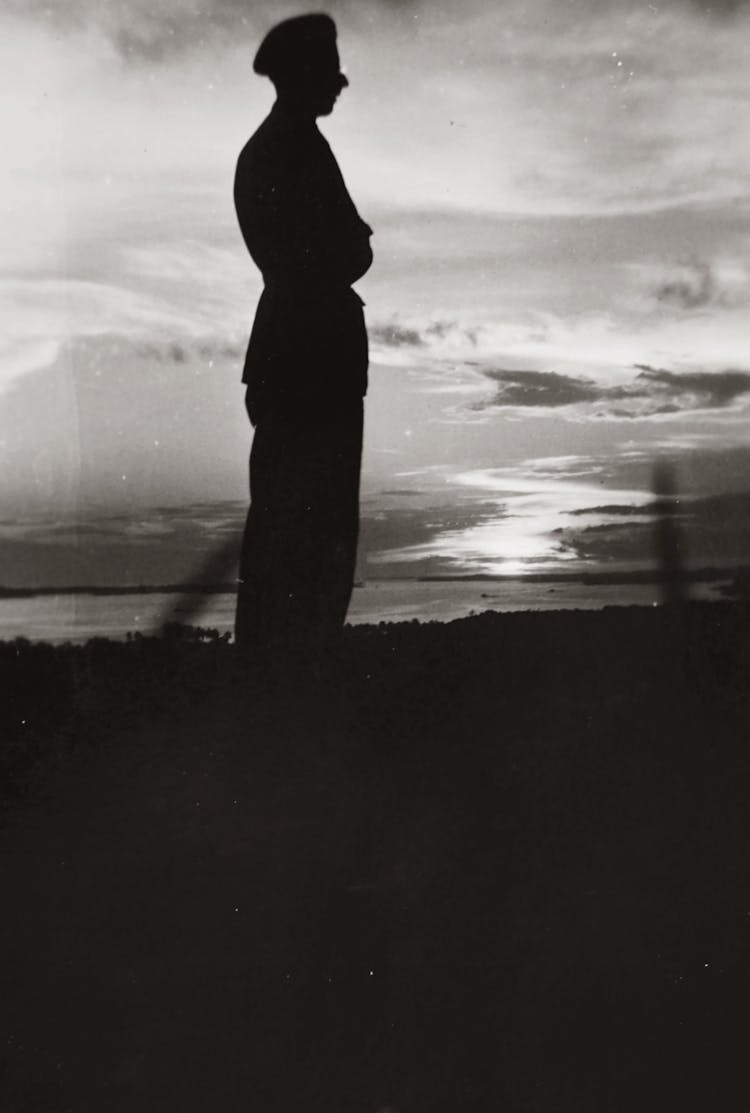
(326, 107)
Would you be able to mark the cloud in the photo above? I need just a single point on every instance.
(700, 284)
(443, 329)
(694, 390)
(541, 388)
(39, 315)
(653, 392)
(576, 125)
(498, 520)
(179, 544)
(200, 541)
(648, 509)
(426, 343)
(394, 335)
(153, 30)
(410, 540)
(106, 423)
(714, 530)
(434, 333)
(172, 303)
(208, 351)
(142, 29)
(690, 290)
(719, 8)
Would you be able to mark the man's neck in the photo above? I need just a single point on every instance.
(295, 111)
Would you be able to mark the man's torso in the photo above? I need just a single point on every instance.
(305, 235)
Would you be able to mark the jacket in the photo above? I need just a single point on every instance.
(308, 339)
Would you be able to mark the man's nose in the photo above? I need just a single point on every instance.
(343, 81)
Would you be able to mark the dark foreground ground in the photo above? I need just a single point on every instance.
(498, 865)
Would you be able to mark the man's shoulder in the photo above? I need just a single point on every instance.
(259, 143)
(272, 148)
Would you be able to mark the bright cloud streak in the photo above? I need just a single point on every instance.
(531, 508)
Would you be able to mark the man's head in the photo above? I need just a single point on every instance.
(300, 57)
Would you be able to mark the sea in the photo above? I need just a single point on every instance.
(77, 617)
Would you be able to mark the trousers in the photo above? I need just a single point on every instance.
(299, 547)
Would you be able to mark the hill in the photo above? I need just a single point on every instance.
(494, 864)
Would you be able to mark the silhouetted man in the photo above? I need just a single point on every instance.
(306, 363)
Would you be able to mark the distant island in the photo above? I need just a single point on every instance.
(738, 576)
(131, 589)
(636, 576)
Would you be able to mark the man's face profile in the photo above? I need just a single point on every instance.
(316, 89)
(327, 93)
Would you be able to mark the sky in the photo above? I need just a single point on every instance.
(560, 296)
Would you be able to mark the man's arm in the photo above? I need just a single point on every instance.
(299, 222)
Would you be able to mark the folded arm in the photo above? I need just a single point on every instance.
(301, 229)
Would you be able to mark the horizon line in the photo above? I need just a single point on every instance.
(647, 574)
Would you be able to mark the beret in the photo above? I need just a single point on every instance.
(305, 42)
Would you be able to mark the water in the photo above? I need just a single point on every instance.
(76, 618)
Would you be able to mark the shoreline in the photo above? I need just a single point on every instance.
(78, 617)
(641, 576)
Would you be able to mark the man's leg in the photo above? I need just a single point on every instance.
(300, 545)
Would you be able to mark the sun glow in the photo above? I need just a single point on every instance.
(533, 510)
